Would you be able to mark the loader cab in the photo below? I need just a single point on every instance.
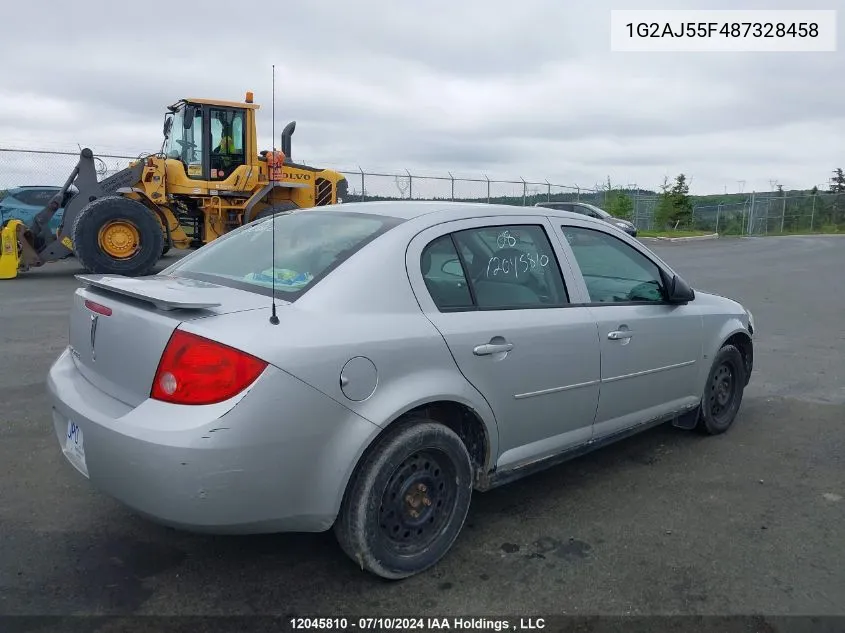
(211, 139)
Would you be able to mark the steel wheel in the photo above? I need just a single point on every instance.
(418, 501)
(408, 499)
(723, 392)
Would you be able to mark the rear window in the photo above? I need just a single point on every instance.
(309, 245)
(37, 197)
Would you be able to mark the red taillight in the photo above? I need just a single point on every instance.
(196, 370)
(98, 308)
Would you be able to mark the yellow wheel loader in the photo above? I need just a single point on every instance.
(208, 179)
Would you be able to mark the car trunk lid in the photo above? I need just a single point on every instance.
(120, 326)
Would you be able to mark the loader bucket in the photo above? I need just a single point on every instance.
(9, 257)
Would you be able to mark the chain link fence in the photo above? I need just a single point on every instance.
(774, 213)
(365, 186)
(47, 168)
(755, 214)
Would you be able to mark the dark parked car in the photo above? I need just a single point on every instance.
(24, 203)
(592, 211)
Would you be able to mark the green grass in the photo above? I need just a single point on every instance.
(673, 233)
(824, 230)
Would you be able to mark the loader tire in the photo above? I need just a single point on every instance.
(117, 236)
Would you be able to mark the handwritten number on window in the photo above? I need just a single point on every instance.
(505, 240)
(515, 265)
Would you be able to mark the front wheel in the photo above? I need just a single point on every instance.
(723, 392)
(408, 501)
(117, 236)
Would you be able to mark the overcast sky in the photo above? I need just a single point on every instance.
(508, 89)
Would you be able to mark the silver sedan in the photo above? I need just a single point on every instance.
(375, 363)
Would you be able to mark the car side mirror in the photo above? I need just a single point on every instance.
(452, 267)
(678, 290)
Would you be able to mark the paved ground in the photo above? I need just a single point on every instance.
(668, 522)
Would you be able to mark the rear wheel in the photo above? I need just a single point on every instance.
(117, 236)
(408, 501)
(723, 392)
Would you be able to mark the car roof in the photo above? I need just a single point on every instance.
(412, 209)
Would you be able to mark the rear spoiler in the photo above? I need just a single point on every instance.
(165, 293)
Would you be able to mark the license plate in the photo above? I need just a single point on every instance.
(75, 447)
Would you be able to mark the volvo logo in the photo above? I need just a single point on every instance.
(94, 318)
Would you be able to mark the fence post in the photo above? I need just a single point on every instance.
(548, 191)
(488, 188)
(410, 185)
(813, 212)
(751, 214)
(783, 215)
(363, 198)
(453, 185)
(636, 204)
(524, 191)
(766, 223)
(577, 193)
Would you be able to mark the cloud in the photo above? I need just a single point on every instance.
(513, 90)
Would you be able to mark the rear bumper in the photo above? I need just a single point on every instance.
(276, 460)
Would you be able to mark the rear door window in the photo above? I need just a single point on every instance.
(37, 197)
(493, 268)
(521, 270)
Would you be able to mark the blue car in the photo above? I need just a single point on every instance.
(24, 203)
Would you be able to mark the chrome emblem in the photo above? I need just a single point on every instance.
(94, 318)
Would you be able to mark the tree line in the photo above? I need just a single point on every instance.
(807, 209)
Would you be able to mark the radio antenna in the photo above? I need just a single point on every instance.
(274, 319)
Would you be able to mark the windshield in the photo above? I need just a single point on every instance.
(599, 212)
(309, 244)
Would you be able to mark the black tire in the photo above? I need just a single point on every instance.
(420, 466)
(284, 207)
(96, 215)
(723, 392)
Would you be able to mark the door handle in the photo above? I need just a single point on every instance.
(492, 348)
(620, 335)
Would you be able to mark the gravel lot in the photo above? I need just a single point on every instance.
(667, 522)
